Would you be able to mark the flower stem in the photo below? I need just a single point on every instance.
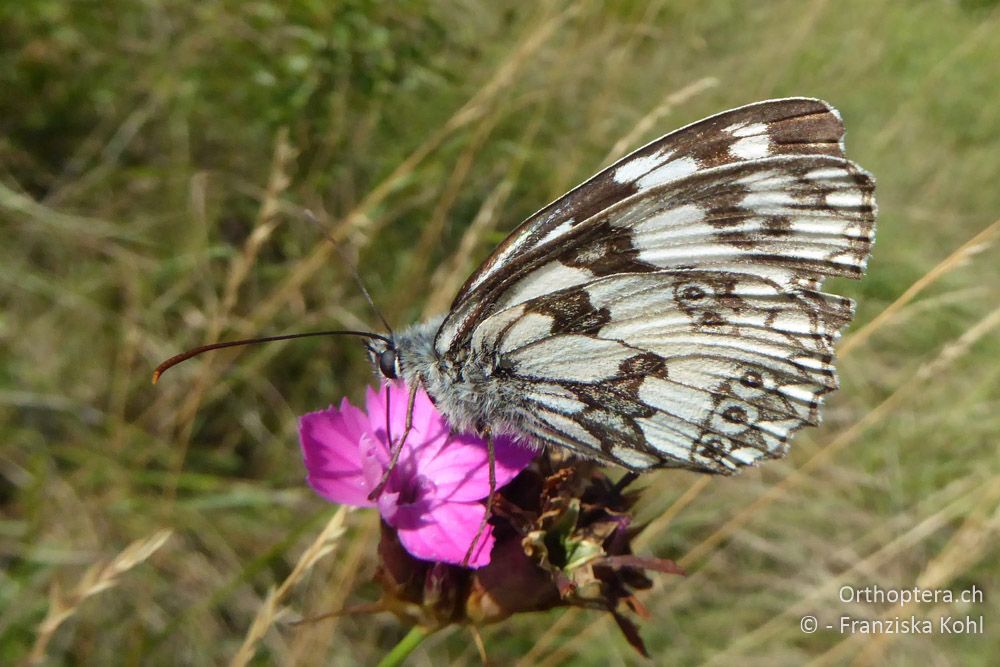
(405, 646)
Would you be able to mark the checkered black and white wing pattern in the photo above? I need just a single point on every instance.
(668, 312)
(708, 369)
(788, 127)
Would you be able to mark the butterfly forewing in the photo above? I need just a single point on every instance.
(667, 312)
(680, 184)
(771, 213)
(794, 126)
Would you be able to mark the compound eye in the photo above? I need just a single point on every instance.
(387, 363)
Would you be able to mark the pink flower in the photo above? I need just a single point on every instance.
(434, 495)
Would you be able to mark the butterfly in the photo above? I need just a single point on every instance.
(668, 311)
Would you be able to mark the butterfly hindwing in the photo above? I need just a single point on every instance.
(702, 369)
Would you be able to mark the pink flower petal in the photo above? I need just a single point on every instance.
(359, 421)
(427, 423)
(388, 505)
(375, 408)
(445, 533)
(461, 470)
(333, 461)
(374, 461)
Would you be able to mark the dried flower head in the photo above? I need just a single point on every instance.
(563, 539)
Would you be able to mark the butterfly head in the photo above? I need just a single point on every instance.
(385, 357)
(406, 355)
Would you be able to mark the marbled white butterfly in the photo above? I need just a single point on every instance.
(667, 312)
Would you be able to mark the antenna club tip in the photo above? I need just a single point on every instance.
(156, 376)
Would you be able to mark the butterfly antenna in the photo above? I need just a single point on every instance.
(311, 217)
(176, 359)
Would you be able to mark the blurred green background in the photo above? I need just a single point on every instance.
(155, 158)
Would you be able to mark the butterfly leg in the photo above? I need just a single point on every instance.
(625, 480)
(397, 449)
(491, 455)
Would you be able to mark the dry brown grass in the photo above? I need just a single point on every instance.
(98, 578)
